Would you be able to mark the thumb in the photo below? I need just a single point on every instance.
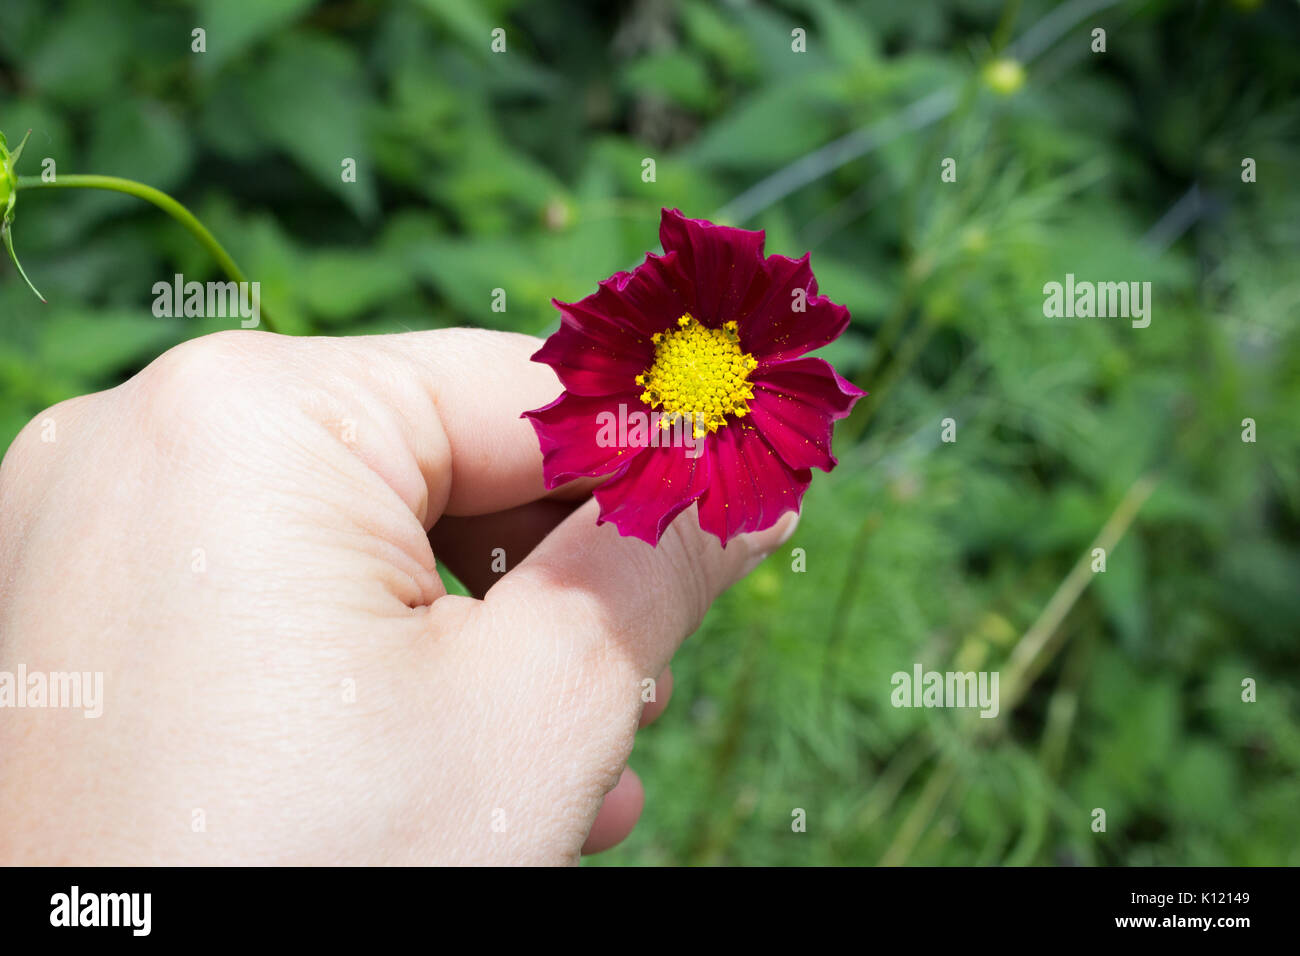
(636, 603)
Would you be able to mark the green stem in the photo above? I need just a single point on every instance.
(163, 202)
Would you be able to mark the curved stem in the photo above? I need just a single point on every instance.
(160, 199)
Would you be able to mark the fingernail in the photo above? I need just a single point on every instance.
(765, 542)
(786, 528)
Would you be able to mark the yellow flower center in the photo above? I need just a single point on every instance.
(699, 373)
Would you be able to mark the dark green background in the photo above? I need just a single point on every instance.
(523, 171)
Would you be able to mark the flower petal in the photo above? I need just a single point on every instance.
(574, 437)
(595, 358)
(722, 261)
(654, 487)
(795, 404)
(775, 330)
(751, 487)
(644, 301)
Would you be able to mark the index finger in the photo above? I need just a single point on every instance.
(480, 383)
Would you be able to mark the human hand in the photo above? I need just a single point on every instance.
(239, 539)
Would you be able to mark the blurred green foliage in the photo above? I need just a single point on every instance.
(522, 170)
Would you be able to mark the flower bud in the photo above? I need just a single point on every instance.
(8, 179)
(8, 199)
(1005, 76)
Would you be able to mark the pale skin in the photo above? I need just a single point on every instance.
(239, 538)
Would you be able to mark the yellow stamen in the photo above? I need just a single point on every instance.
(700, 373)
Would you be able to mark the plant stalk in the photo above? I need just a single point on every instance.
(164, 202)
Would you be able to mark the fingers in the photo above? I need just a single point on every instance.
(480, 549)
(435, 414)
(480, 383)
(618, 814)
(634, 603)
(622, 806)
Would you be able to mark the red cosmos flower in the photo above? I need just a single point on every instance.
(705, 342)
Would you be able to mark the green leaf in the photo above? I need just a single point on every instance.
(7, 234)
(676, 76)
(93, 344)
(81, 55)
(309, 98)
(779, 124)
(234, 25)
(467, 23)
(342, 285)
(141, 140)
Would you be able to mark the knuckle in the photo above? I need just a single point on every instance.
(205, 361)
(27, 463)
(507, 346)
(597, 631)
(22, 450)
(196, 379)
